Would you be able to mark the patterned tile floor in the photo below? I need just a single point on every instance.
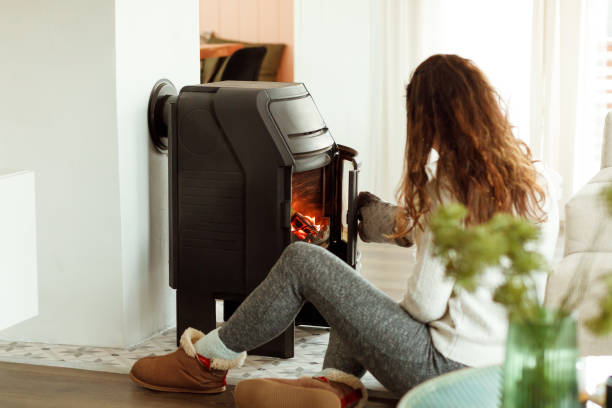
(310, 344)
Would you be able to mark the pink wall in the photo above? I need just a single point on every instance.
(253, 21)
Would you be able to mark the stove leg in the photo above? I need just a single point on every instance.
(281, 346)
(198, 310)
(194, 309)
(229, 307)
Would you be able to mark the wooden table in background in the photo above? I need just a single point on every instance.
(218, 50)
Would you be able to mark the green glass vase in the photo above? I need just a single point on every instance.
(540, 366)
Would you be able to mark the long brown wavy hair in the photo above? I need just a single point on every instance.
(451, 106)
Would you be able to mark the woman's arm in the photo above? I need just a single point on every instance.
(428, 289)
(378, 221)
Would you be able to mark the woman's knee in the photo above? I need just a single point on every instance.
(311, 261)
(300, 248)
(300, 253)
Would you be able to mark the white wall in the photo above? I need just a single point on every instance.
(77, 76)
(58, 118)
(155, 39)
(332, 47)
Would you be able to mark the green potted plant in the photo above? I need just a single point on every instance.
(541, 352)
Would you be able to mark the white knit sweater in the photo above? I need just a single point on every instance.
(469, 327)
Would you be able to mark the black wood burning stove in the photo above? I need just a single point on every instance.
(253, 167)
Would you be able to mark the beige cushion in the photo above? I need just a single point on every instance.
(269, 66)
(587, 226)
(588, 247)
(606, 149)
(562, 281)
(605, 175)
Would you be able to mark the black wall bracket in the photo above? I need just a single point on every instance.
(158, 113)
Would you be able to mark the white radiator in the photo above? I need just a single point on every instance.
(18, 273)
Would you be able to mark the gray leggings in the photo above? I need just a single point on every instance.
(369, 331)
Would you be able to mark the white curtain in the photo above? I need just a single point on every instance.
(545, 85)
(568, 87)
(589, 20)
(394, 48)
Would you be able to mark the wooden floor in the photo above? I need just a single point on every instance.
(24, 385)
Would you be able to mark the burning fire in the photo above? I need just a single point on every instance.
(305, 227)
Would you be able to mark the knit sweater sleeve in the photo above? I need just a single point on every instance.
(429, 290)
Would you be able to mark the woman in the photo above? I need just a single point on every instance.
(452, 109)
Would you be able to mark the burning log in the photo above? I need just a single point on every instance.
(307, 229)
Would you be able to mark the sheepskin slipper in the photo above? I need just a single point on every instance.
(333, 389)
(183, 370)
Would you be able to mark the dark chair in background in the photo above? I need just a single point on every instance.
(244, 64)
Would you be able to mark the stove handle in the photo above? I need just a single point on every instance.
(348, 154)
(351, 215)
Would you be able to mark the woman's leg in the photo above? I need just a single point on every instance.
(382, 337)
(339, 356)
